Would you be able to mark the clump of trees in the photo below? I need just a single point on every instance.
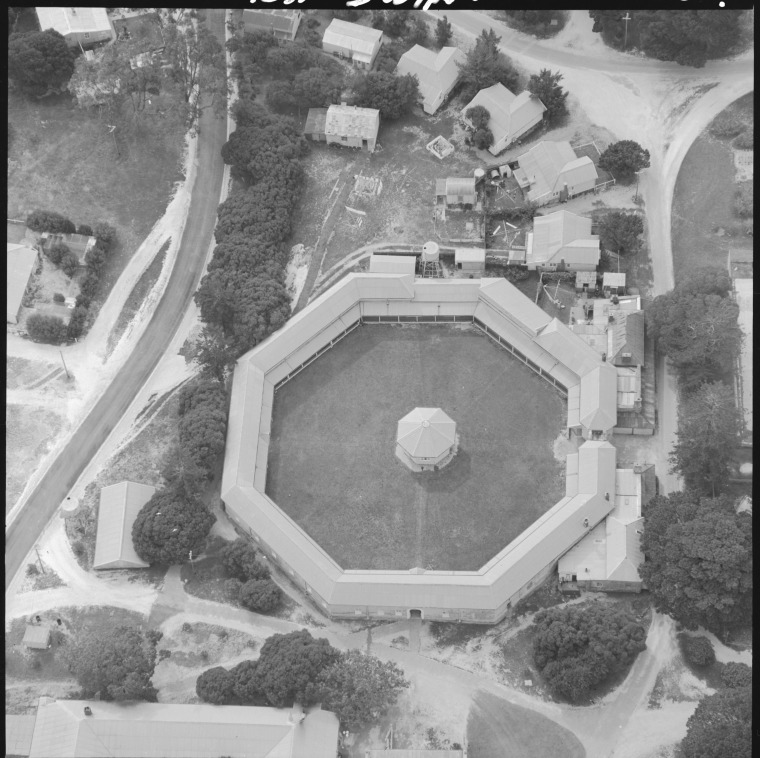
(39, 63)
(296, 667)
(117, 663)
(708, 431)
(485, 65)
(170, 526)
(482, 136)
(698, 650)
(688, 37)
(49, 221)
(547, 88)
(744, 200)
(443, 31)
(621, 232)
(576, 648)
(623, 159)
(537, 23)
(696, 326)
(698, 560)
(44, 328)
(735, 675)
(392, 95)
(250, 583)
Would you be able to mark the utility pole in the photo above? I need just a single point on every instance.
(626, 18)
(64, 364)
(36, 550)
(636, 196)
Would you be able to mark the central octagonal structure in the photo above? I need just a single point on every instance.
(499, 310)
(425, 438)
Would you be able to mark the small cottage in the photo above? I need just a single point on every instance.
(360, 44)
(82, 27)
(352, 126)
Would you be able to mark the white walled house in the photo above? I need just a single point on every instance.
(82, 27)
(360, 44)
(437, 73)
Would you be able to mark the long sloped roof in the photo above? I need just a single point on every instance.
(392, 264)
(281, 19)
(18, 734)
(162, 730)
(73, 20)
(436, 72)
(426, 432)
(564, 234)
(628, 336)
(549, 165)
(510, 113)
(354, 37)
(351, 121)
(599, 398)
(20, 265)
(119, 505)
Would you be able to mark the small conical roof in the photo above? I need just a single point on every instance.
(426, 433)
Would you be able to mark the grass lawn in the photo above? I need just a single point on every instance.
(62, 158)
(496, 727)
(333, 469)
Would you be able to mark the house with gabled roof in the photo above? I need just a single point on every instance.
(280, 22)
(119, 505)
(437, 73)
(551, 172)
(512, 115)
(360, 44)
(92, 729)
(562, 241)
(81, 27)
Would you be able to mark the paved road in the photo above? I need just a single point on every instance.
(94, 430)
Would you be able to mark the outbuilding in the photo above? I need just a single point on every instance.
(352, 126)
(83, 27)
(36, 637)
(470, 260)
(360, 44)
(437, 73)
(392, 264)
(282, 23)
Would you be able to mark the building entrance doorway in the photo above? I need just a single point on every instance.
(415, 613)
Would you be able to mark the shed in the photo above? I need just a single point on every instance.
(585, 281)
(562, 240)
(470, 259)
(21, 263)
(437, 73)
(512, 115)
(314, 129)
(392, 264)
(360, 44)
(119, 505)
(36, 637)
(613, 283)
(78, 26)
(456, 190)
(426, 436)
(352, 126)
(281, 22)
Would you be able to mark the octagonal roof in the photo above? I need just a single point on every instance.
(426, 433)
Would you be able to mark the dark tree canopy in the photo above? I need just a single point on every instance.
(49, 221)
(245, 684)
(736, 675)
(359, 689)
(696, 327)
(577, 647)
(698, 565)
(623, 159)
(708, 431)
(216, 686)
(260, 595)
(240, 560)
(486, 65)
(43, 328)
(698, 650)
(479, 116)
(171, 525)
(212, 354)
(546, 87)
(392, 95)
(621, 232)
(39, 62)
(721, 726)
(118, 663)
(288, 663)
(482, 138)
(442, 31)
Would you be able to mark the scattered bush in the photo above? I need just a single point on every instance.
(32, 570)
(312, 22)
(537, 23)
(698, 651)
(260, 595)
(187, 627)
(312, 37)
(446, 633)
(104, 233)
(49, 329)
(58, 297)
(734, 675)
(239, 559)
(69, 264)
(77, 322)
(163, 654)
(727, 124)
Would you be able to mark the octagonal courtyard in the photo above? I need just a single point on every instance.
(332, 466)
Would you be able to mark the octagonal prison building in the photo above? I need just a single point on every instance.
(502, 312)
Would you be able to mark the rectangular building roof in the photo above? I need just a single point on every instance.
(316, 119)
(37, 636)
(437, 73)
(21, 262)
(18, 734)
(470, 255)
(351, 121)
(598, 409)
(360, 41)
(280, 19)
(613, 279)
(627, 338)
(119, 505)
(392, 264)
(514, 305)
(550, 165)
(73, 20)
(510, 113)
(162, 730)
(563, 235)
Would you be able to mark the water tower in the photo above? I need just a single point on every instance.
(430, 264)
(479, 174)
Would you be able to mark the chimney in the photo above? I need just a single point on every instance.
(296, 715)
(87, 710)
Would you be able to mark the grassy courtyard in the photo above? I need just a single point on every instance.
(332, 465)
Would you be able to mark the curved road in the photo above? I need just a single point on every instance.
(94, 430)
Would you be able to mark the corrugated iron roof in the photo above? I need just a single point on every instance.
(392, 264)
(73, 20)
(119, 505)
(351, 121)
(549, 165)
(426, 433)
(18, 734)
(353, 38)
(315, 121)
(37, 636)
(563, 235)
(281, 19)
(437, 73)
(599, 398)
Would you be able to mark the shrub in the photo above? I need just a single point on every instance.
(49, 329)
(311, 22)
(88, 287)
(49, 221)
(78, 548)
(104, 233)
(745, 141)
(77, 322)
(482, 138)
(239, 559)
(215, 686)
(164, 654)
(479, 116)
(698, 651)
(58, 297)
(95, 258)
(69, 264)
(56, 251)
(32, 570)
(312, 37)
(84, 229)
(734, 675)
(260, 595)
(232, 588)
(187, 627)
(744, 199)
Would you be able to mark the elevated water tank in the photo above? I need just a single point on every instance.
(479, 174)
(430, 252)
